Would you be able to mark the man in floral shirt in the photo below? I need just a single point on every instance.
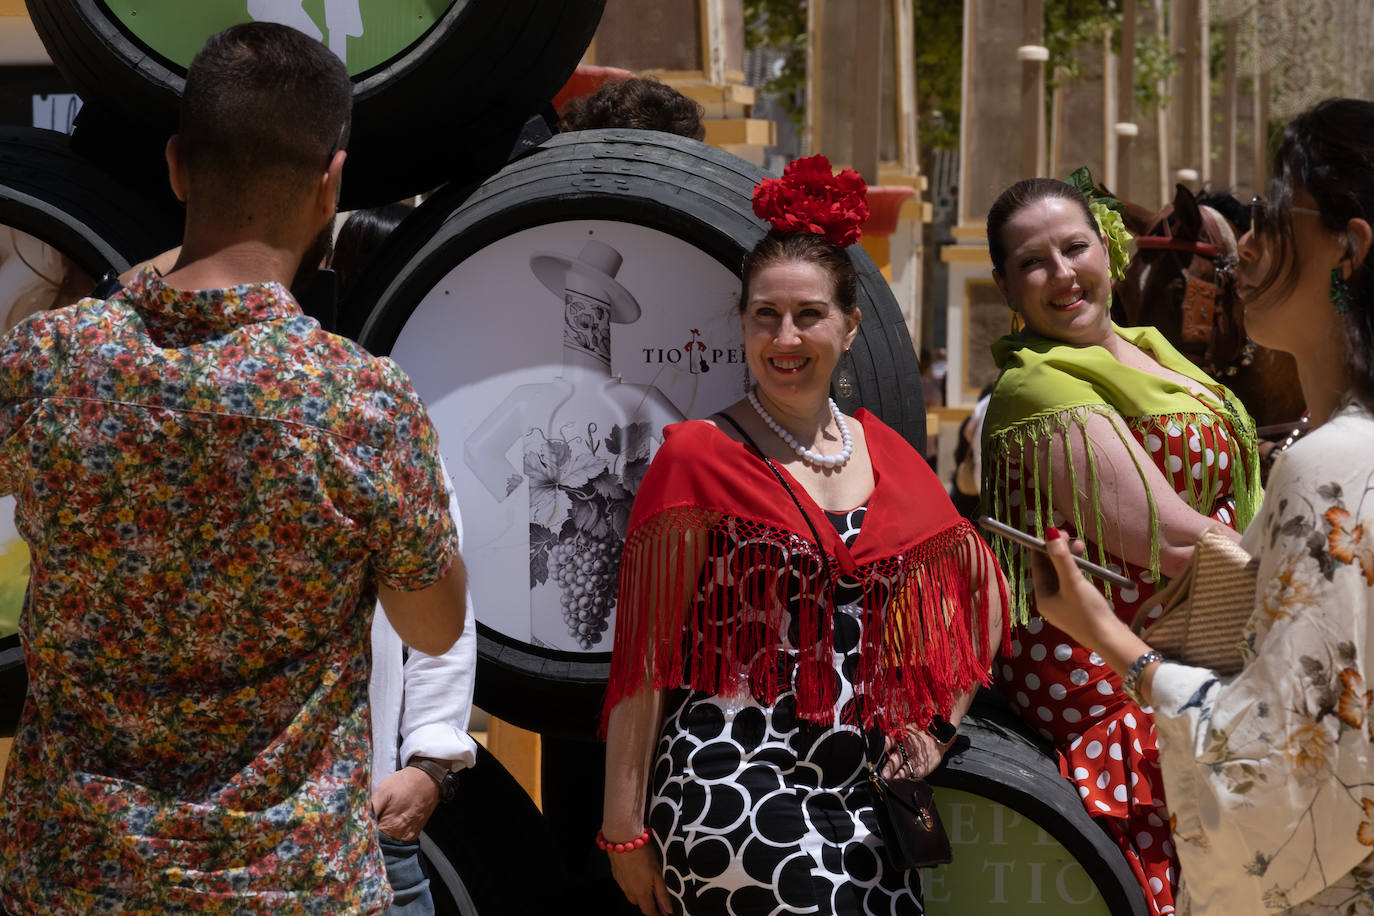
(214, 492)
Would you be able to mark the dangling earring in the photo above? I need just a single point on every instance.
(1340, 293)
(1016, 324)
(844, 385)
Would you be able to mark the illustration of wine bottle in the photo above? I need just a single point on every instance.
(588, 438)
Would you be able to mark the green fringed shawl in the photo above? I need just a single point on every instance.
(1048, 387)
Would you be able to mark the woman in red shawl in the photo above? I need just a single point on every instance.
(798, 600)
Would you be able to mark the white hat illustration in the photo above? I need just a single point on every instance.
(591, 273)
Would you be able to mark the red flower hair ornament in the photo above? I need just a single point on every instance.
(809, 197)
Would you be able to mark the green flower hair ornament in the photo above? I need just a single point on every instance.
(1118, 239)
(1107, 210)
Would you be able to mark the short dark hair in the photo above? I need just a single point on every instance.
(1023, 193)
(808, 248)
(639, 102)
(264, 106)
(1326, 151)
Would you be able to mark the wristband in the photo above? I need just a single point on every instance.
(942, 730)
(637, 843)
(434, 769)
(1130, 684)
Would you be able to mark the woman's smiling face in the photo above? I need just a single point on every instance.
(794, 331)
(1056, 272)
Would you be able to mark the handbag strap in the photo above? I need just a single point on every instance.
(749, 441)
(873, 776)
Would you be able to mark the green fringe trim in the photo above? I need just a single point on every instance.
(1030, 437)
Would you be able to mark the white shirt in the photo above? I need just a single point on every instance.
(421, 703)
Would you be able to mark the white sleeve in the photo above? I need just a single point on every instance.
(437, 699)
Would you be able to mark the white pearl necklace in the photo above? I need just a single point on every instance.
(810, 456)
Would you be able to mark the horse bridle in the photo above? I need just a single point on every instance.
(1213, 326)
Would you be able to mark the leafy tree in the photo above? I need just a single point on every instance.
(780, 25)
(1070, 26)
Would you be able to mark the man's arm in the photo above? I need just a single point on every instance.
(429, 619)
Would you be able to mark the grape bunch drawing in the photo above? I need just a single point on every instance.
(581, 490)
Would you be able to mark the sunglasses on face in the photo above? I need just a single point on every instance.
(1259, 210)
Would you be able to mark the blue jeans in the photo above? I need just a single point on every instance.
(409, 886)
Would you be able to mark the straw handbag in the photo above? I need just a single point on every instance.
(1205, 608)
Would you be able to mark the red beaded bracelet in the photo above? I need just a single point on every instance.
(636, 843)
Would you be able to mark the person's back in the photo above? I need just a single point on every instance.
(212, 488)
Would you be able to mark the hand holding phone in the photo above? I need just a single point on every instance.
(988, 523)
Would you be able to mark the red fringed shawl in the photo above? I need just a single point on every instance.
(709, 510)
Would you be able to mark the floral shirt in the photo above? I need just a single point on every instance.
(211, 487)
(1270, 774)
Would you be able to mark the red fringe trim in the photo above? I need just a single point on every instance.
(926, 632)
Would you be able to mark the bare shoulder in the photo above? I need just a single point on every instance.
(740, 412)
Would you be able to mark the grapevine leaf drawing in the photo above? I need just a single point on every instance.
(609, 487)
(637, 440)
(634, 474)
(589, 514)
(553, 470)
(541, 539)
(619, 519)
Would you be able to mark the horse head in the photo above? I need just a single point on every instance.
(1181, 282)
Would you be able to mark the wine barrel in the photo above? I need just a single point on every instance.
(470, 295)
(439, 89)
(489, 850)
(64, 222)
(1023, 842)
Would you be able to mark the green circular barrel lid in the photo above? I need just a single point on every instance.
(363, 33)
(1004, 863)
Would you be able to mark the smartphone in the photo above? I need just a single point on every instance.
(988, 523)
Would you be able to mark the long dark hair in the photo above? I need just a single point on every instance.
(1328, 151)
(1024, 192)
(807, 247)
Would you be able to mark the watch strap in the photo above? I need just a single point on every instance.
(436, 770)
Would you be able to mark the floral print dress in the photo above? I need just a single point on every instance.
(1071, 697)
(1270, 774)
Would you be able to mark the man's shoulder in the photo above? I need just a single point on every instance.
(371, 373)
(49, 328)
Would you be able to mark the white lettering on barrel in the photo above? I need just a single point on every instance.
(999, 890)
(962, 820)
(1044, 839)
(56, 111)
(933, 885)
(1037, 884)
(1061, 886)
(1002, 819)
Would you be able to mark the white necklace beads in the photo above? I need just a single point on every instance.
(810, 456)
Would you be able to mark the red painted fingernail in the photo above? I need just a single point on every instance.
(1053, 534)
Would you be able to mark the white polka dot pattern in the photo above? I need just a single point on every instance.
(1070, 696)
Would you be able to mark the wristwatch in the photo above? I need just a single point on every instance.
(437, 770)
(942, 729)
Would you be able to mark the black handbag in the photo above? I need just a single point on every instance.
(908, 823)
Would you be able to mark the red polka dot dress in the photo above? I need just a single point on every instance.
(1070, 696)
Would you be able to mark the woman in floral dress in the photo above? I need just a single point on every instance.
(1270, 773)
(1110, 433)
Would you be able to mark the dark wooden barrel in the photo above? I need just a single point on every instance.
(1023, 842)
(470, 297)
(440, 89)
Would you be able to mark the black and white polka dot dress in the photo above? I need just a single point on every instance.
(756, 812)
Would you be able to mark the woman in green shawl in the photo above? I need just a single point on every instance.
(1111, 434)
